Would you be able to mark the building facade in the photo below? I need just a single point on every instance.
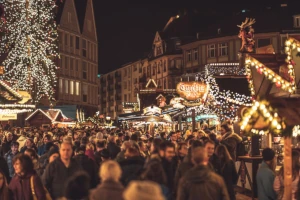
(221, 44)
(78, 65)
(177, 53)
(163, 64)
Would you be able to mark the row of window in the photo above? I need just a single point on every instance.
(69, 87)
(220, 49)
(89, 71)
(69, 41)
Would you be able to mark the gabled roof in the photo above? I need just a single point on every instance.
(80, 6)
(60, 7)
(151, 82)
(51, 114)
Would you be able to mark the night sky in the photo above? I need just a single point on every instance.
(126, 29)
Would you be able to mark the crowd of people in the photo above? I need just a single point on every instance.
(106, 164)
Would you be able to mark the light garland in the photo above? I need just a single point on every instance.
(14, 111)
(269, 74)
(291, 44)
(262, 109)
(47, 114)
(7, 87)
(32, 42)
(296, 131)
(286, 85)
(224, 69)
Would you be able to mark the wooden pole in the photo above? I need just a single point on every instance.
(287, 164)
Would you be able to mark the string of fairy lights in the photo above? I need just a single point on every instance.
(287, 85)
(225, 69)
(223, 103)
(32, 46)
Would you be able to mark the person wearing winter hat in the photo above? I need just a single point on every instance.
(146, 190)
(265, 175)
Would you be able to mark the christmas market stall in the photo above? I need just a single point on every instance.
(274, 84)
(12, 103)
(151, 119)
(98, 120)
(51, 117)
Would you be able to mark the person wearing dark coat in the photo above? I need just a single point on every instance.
(4, 168)
(228, 170)
(200, 182)
(112, 147)
(110, 188)
(88, 165)
(186, 165)
(20, 185)
(58, 171)
(230, 140)
(132, 166)
(7, 143)
(9, 157)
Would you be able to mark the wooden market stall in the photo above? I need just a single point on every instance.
(42, 117)
(274, 81)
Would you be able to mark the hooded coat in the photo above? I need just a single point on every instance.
(201, 182)
(230, 140)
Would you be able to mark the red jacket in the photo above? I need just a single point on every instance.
(21, 190)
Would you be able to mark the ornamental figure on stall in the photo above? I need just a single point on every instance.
(247, 35)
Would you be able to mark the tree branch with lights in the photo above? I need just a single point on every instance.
(32, 45)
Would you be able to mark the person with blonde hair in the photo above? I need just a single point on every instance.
(110, 188)
(146, 190)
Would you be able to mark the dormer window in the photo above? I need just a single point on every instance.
(158, 51)
(297, 21)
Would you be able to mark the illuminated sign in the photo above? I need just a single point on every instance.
(6, 117)
(192, 91)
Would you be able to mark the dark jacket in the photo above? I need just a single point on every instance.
(108, 190)
(215, 164)
(41, 150)
(5, 147)
(9, 159)
(113, 150)
(4, 168)
(230, 140)
(131, 169)
(21, 189)
(228, 172)
(202, 183)
(56, 175)
(90, 167)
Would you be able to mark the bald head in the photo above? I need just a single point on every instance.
(199, 156)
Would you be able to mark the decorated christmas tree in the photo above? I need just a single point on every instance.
(32, 47)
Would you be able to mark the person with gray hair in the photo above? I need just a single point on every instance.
(201, 182)
(145, 190)
(110, 188)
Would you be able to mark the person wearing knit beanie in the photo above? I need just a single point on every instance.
(146, 190)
